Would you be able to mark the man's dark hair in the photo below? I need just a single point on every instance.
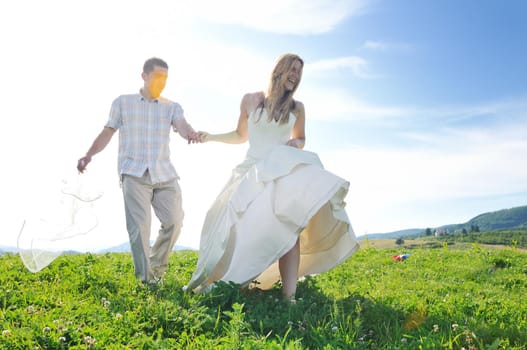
(148, 67)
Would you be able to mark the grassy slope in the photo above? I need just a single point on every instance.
(437, 298)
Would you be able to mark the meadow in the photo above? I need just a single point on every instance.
(449, 296)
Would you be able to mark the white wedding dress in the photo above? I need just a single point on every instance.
(275, 195)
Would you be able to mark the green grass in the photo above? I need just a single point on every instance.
(443, 298)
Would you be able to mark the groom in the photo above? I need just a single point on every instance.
(148, 178)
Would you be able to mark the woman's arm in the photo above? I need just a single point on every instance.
(298, 134)
(240, 135)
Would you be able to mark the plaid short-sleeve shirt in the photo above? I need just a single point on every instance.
(144, 135)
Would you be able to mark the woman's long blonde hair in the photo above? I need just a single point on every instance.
(278, 101)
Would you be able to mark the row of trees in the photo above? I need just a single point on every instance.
(517, 238)
(463, 231)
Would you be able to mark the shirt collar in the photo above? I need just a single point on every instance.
(142, 98)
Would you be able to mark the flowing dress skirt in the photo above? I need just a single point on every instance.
(261, 212)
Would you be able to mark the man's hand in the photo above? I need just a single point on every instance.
(193, 137)
(82, 163)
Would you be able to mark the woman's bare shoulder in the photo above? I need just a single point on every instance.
(299, 105)
(252, 100)
(254, 97)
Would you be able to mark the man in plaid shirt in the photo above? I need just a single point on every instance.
(148, 178)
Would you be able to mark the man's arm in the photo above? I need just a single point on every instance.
(186, 131)
(100, 142)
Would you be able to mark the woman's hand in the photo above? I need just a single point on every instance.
(297, 143)
(203, 136)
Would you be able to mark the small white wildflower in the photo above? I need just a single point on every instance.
(89, 341)
(334, 328)
(106, 304)
(6, 332)
(46, 329)
(118, 316)
(62, 339)
(436, 328)
(404, 340)
(30, 309)
(289, 323)
(455, 326)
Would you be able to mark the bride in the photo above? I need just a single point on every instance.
(281, 215)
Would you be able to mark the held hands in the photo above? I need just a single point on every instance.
(197, 137)
(82, 163)
(203, 136)
(193, 137)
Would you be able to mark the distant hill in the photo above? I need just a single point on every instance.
(6, 249)
(121, 248)
(125, 247)
(505, 219)
(394, 234)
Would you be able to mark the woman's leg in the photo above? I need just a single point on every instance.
(288, 265)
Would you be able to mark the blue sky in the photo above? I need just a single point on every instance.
(421, 105)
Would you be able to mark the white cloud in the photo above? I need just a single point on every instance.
(425, 157)
(388, 186)
(386, 46)
(280, 16)
(357, 65)
(330, 103)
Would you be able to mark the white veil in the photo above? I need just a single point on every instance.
(45, 237)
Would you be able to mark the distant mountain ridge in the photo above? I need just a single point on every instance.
(125, 247)
(513, 218)
(504, 219)
(394, 234)
(121, 248)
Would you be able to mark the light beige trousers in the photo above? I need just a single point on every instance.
(140, 197)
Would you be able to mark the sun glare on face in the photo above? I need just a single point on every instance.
(156, 81)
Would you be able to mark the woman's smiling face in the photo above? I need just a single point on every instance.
(292, 76)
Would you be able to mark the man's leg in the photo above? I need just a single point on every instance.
(167, 204)
(137, 193)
